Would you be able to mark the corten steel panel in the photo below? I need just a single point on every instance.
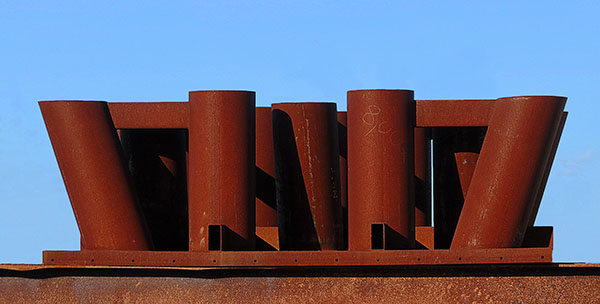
(556, 283)
(540, 193)
(342, 117)
(455, 153)
(175, 115)
(307, 176)
(539, 238)
(509, 171)
(149, 115)
(422, 177)
(454, 113)
(157, 163)
(221, 182)
(266, 206)
(381, 166)
(91, 162)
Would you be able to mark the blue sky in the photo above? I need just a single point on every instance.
(288, 51)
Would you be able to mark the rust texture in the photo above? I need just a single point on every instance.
(576, 283)
(266, 205)
(91, 162)
(540, 193)
(454, 113)
(149, 115)
(515, 152)
(307, 176)
(217, 182)
(381, 168)
(342, 117)
(156, 159)
(455, 154)
(222, 170)
(422, 177)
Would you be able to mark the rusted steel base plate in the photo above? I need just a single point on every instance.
(298, 258)
(540, 283)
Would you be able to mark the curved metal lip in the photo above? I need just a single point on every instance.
(533, 97)
(381, 90)
(72, 101)
(222, 91)
(285, 103)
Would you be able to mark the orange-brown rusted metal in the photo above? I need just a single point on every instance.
(381, 168)
(455, 153)
(174, 115)
(266, 205)
(454, 113)
(307, 176)
(221, 183)
(508, 283)
(358, 180)
(422, 177)
(149, 115)
(342, 117)
(91, 162)
(540, 192)
(538, 240)
(157, 163)
(509, 171)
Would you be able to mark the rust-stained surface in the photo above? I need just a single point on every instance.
(307, 176)
(149, 115)
(554, 283)
(422, 177)
(222, 170)
(92, 165)
(266, 205)
(540, 192)
(381, 168)
(454, 113)
(509, 172)
(216, 182)
(342, 117)
(538, 242)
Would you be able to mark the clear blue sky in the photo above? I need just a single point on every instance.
(290, 50)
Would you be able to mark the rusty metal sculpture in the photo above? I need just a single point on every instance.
(218, 182)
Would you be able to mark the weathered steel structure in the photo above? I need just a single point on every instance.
(216, 181)
(217, 200)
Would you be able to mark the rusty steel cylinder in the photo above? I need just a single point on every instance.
(266, 205)
(381, 167)
(422, 177)
(509, 171)
(221, 182)
(307, 176)
(91, 161)
(542, 187)
(342, 117)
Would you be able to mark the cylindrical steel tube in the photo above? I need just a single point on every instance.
(90, 159)
(266, 206)
(381, 166)
(342, 117)
(422, 177)
(221, 179)
(156, 159)
(542, 187)
(455, 153)
(509, 170)
(307, 176)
